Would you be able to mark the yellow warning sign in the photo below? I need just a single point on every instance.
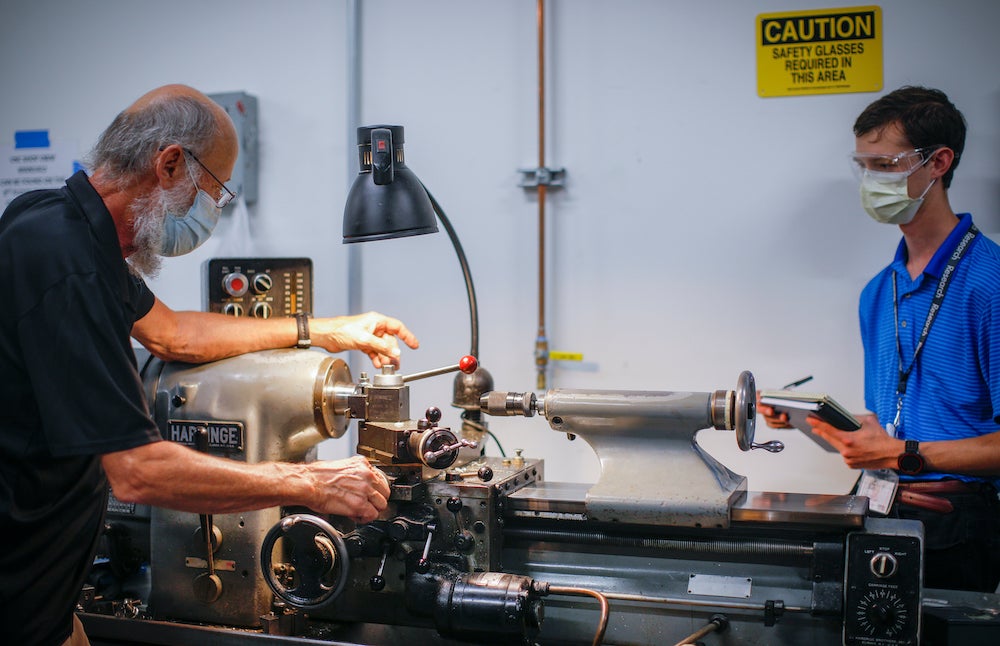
(824, 51)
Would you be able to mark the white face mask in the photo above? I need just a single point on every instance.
(888, 200)
(183, 234)
(885, 194)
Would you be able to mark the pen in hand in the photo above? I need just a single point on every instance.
(797, 383)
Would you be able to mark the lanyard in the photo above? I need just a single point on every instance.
(942, 288)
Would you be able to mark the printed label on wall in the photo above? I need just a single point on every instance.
(824, 51)
(33, 163)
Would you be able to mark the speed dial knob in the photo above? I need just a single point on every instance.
(232, 309)
(882, 614)
(262, 283)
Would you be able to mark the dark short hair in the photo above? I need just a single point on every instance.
(926, 117)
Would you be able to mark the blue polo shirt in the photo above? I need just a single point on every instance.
(954, 388)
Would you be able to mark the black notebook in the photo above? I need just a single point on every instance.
(798, 406)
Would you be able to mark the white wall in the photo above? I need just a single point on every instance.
(702, 230)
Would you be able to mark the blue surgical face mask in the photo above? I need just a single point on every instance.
(183, 234)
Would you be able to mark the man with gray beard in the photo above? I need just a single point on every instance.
(73, 415)
(150, 213)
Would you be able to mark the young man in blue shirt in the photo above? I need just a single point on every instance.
(930, 325)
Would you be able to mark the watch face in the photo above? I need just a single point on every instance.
(910, 463)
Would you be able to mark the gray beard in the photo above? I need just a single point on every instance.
(148, 215)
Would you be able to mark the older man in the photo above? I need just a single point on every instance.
(73, 416)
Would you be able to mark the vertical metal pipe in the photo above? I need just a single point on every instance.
(541, 343)
(354, 261)
(354, 267)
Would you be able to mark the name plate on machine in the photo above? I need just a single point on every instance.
(225, 436)
(713, 585)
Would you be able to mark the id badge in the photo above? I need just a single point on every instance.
(880, 488)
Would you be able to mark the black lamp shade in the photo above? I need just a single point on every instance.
(386, 200)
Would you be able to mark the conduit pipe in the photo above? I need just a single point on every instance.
(543, 179)
(354, 260)
(541, 342)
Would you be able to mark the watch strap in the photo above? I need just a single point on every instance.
(910, 461)
(302, 324)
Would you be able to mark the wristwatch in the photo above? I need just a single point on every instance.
(910, 461)
(302, 323)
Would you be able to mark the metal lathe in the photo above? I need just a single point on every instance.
(667, 547)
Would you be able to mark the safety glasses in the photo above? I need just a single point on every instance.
(891, 166)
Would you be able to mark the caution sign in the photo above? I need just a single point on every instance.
(824, 51)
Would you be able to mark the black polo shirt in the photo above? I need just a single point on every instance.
(69, 392)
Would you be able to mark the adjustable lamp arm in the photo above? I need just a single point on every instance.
(469, 288)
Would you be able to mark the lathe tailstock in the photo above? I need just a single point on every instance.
(667, 547)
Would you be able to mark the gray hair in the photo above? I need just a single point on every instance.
(126, 148)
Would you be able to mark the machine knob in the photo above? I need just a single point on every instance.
(882, 613)
(883, 565)
(355, 544)
(464, 541)
(262, 310)
(399, 529)
(232, 309)
(433, 415)
(262, 283)
(485, 473)
(207, 587)
(235, 284)
(468, 364)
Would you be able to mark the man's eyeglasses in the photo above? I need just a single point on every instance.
(226, 196)
(905, 162)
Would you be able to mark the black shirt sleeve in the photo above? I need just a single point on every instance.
(82, 369)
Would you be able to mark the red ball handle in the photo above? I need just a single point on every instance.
(468, 364)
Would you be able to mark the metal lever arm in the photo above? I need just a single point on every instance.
(208, 585)
(377, 582)
(431, 456)
(423, 563)
(466, 364)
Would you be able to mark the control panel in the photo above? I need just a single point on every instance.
(882, 595)
(259, 287)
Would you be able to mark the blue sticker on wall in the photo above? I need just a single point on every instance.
(31, 139)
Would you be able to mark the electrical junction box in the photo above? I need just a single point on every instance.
(242, 109)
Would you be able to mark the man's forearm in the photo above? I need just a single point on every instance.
(165, 474)
(197, 337)
(972, 456)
